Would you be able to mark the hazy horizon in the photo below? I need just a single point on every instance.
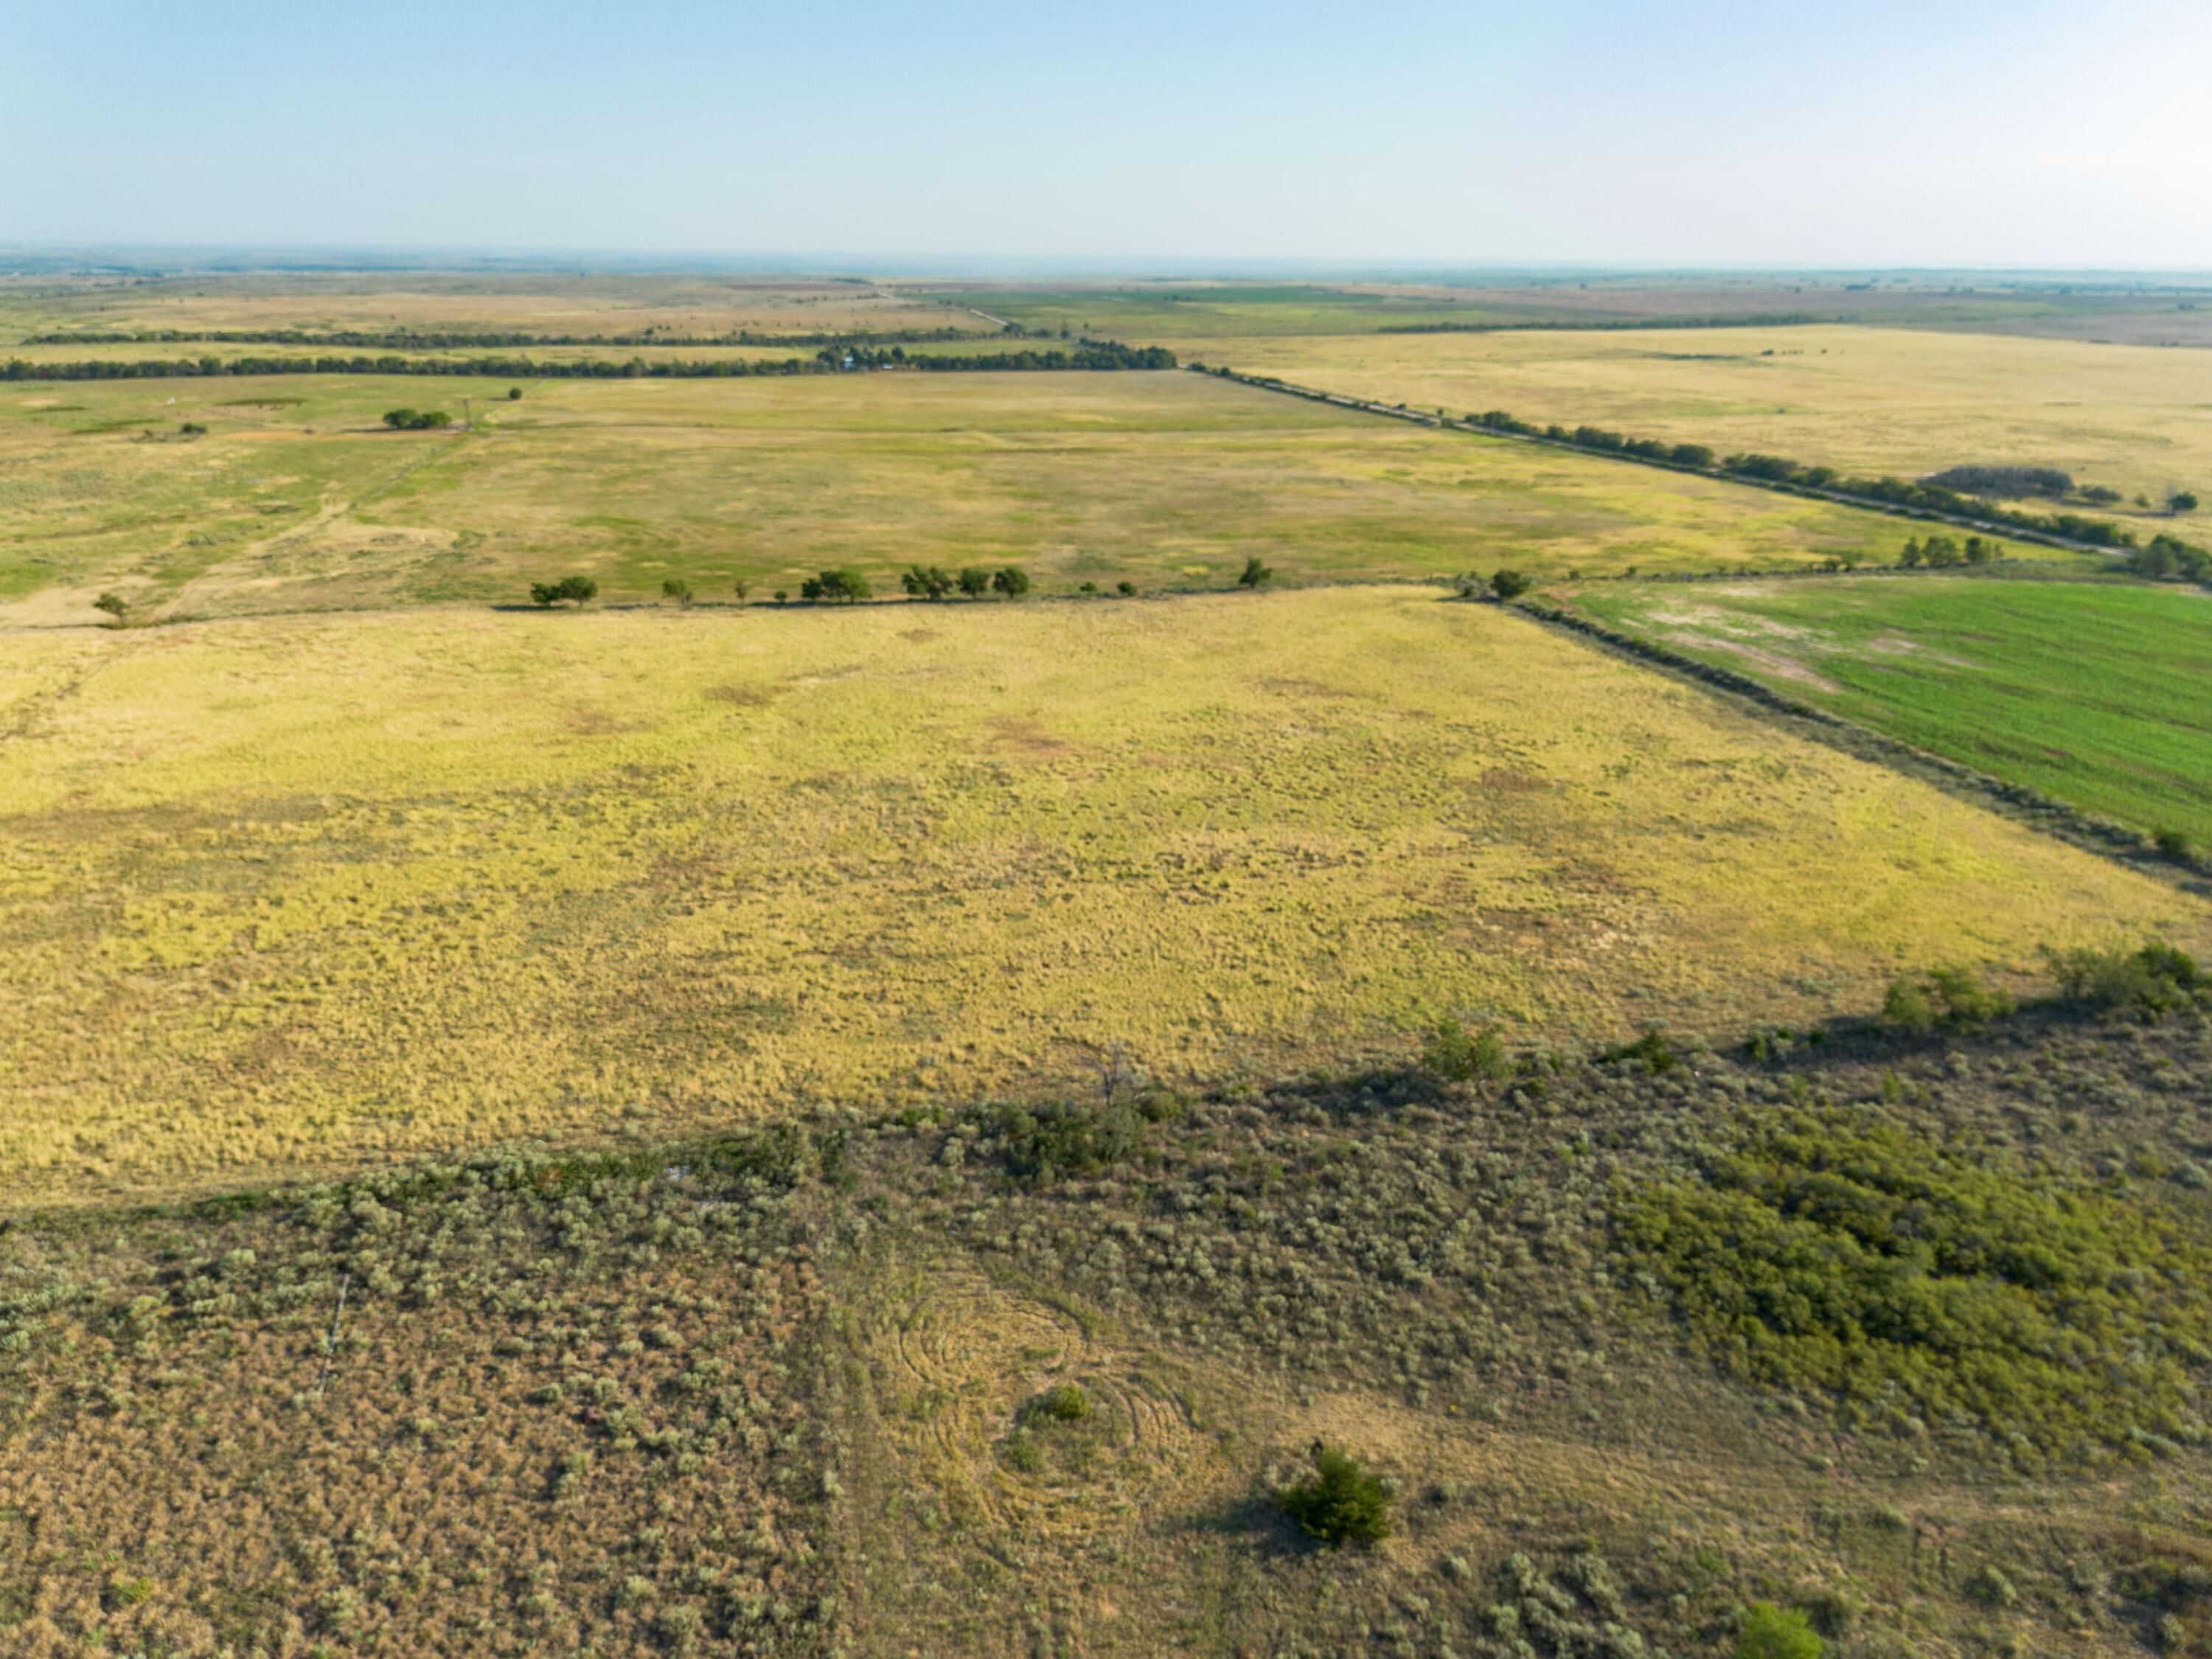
(1596, 134)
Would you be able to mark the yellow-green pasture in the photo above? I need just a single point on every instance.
(282, 893)
(1868, 401)
(293, 497)
(695, 303)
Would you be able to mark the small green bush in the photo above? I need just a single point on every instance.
(1340, 1503)
(1655, 1049)
(1772, 1633)
(1064, 1403)
(1454, 1055)
(1509, 584)
(2174, 844)
(1256, 574)
(114, 605)
(1952, 998)
(2154, 979)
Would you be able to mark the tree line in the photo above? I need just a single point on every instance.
(409, 339)
(1091, 353)
(1103, 355)
(1924, 495)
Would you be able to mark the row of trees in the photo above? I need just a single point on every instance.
(1092, 355)
(1925, 495)
(934, 581)
(409, 339)
(1940, 552)
(1104, 355)
(416, 419)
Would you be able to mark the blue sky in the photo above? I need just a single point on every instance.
(1944, 132)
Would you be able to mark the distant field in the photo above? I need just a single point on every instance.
(1866, 400)
(551, 304)
(286, 891)
(294, 498)
(2098, 694)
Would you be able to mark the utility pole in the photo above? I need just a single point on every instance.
(468, 417)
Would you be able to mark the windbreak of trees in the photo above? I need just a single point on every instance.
(1090, 355)
(1104, 354)
(409, 339)
(1926, 495)
(2013, 481)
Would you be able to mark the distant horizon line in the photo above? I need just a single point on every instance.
(241, 257)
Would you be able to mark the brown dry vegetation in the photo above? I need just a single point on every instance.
(781, 1393)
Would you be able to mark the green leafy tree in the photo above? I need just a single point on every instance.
(1127, 590)
(1772, 1633)
(515, 394)
(741, 588)
(974, 581)
(416, 419)
(114, 605)
(1340, 1502)
(679, 590)
(1509, 584)
(843, 586)
(928, 581)
(571, 590)
(1014, 581)
(2182, 501)
(1256, 574)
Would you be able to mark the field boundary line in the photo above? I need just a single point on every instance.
(1776, 486)
(2019, 802)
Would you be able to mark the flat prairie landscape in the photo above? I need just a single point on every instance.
(294, 498)
(697, 1122)
(1866, 401)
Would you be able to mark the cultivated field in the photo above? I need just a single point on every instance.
(1868, 401)
(294, 498)
(2096, 693)
(287, 892)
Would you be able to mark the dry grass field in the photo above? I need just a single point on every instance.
(1867, 400)
(293, 499)
(498, 302)
(293, 892)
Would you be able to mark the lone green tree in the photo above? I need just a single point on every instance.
(1340, 1502)
(1509, 584)
(114, 605)
(1256, 574)
(570, 590)
(679, 590)
(2182, 501)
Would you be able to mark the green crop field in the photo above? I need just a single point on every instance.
(2096, 693)
(294, 498)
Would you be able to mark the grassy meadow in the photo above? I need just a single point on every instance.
(495, 302)
(294, 498)
(2096, 693)
(1868, 401)
(288, 892)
